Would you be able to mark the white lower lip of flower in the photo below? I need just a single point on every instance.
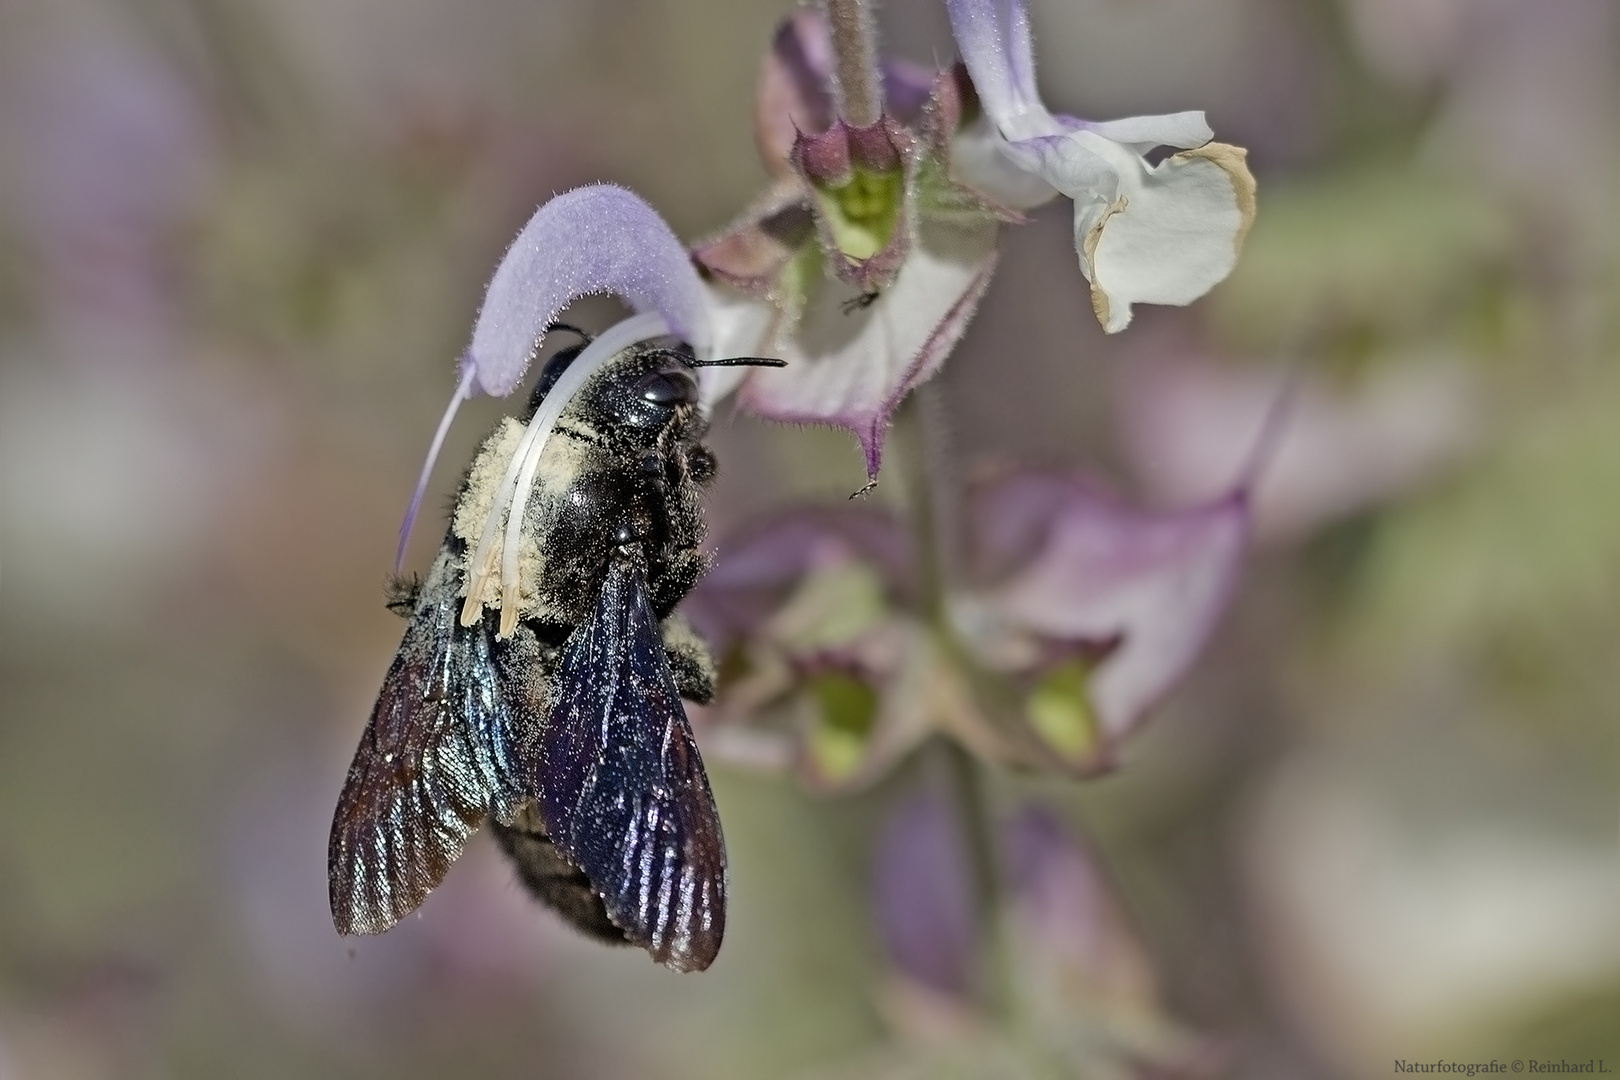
(513, 493)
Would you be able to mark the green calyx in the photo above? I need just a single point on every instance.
(845, 715)
(864, 210)
(1059, 711)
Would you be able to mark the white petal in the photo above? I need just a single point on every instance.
(850, 366)
(1172, 233)
(740, 325)
(980, 159)
(1183, 130)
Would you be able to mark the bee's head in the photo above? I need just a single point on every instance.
(644, 388)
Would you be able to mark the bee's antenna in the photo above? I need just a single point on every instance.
(572, 329)
(739, 361)
(689, 360)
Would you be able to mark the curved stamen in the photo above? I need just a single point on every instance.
(513, 495)
(463, 392)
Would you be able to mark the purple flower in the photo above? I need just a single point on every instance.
(1187, 420)
(923, 896)
(1077, 615)
(1159, 234)
(864, 261)
(1100, 606)
(1079, 986)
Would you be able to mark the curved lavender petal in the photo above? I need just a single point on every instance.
(993, 37)
(595, 239)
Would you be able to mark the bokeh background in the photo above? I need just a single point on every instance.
(241, 242)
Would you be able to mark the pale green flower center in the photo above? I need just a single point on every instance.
(1059, 710)
(864, 210)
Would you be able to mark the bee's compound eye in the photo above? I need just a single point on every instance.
(667, 388)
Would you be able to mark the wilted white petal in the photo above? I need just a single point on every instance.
(1163, 234)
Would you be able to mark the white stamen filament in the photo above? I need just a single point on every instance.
(463, 392)
(513, 495)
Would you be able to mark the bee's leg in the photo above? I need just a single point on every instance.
(689, 661)
(677, 574)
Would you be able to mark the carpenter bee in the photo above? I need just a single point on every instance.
(559, 717)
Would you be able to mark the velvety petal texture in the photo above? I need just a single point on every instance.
(592, 240)
(1162, 234)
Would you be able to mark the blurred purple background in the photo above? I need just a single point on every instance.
(241, 242)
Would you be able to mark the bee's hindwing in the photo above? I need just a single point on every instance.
(620, 785)
(435, 758)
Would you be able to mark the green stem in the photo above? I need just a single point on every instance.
(933, 502)
(973, 814)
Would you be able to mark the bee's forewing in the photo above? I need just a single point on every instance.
(620, 784)
(435, 758)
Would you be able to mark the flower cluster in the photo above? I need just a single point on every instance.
(844, 636)
(863, 262)
(1076, 615)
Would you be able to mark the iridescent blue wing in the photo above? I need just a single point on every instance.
(620, 785)
(435, 759)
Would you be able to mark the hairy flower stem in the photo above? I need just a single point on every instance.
(855, 63)
(932, 493)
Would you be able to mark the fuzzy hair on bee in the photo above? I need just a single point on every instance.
(559, 723)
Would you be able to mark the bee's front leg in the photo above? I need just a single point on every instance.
(689, 660)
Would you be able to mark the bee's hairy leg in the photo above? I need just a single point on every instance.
(689, 660)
